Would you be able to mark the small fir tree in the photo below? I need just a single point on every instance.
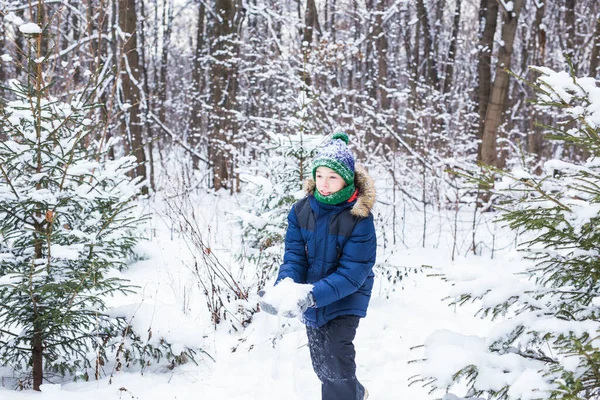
(546, 346)
(67, 219)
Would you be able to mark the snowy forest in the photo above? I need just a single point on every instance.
(150, 151)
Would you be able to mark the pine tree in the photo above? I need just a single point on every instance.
(547, 345)
(67, 218)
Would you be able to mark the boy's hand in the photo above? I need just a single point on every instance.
(288, 298)
(303, 304)
(266, 307)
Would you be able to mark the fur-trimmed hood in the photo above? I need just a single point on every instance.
(366, 191)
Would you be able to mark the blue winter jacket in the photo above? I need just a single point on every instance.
(333, 247)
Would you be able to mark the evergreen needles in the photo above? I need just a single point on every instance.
(545, 345)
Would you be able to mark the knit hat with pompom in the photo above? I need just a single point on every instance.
(336, 155)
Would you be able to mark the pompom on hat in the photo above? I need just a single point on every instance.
(336, 155)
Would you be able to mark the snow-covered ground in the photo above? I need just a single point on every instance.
(270, 359)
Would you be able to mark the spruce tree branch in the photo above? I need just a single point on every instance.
(5, 344)
(535, 186)
(72, 152)
(50, 343)
(543, 357)
(9, 182)
(8, 333)
(591, 362)
(80, 286)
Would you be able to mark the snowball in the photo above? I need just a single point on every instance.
(30, 28)
(286, 295)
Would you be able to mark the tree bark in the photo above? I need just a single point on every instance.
(488, 15)
(197, 85)
(326, 15)
(95, 22)
(37, 359)
(495, 109)
(167, 19)
(147, 106)
(381, 46)
(3, 64)
(130, 76)
(333, 11)
(431, 72)
(570, 31)
(449, 74)
(536, 51)
(311, 23)
(595, 59)
(223, 90)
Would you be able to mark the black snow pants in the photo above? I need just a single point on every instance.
(332, 353)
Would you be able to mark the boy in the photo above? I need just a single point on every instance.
(330, 250)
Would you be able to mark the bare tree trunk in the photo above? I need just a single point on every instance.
(488, 15)
(449, 74)
(414, 102)
(311, 23)
(569, 24)
(113, 20)
(93, 26)
(197, 85)
(333, 11)
(224, 90)
(299, 9)
(326, 15)
(130, 79)
(355, 61)
(595, 59)
(5, 64)
(164, 60)
(381, 44)
(147, 106)
(369, 64)
(495, 108)
(536, 51)
(417, 50)
(37, 359)
(431, 73)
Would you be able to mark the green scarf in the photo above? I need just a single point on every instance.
(337, 197)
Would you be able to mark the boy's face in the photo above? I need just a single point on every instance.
(328, 181)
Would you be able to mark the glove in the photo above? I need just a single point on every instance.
(266, 307)
(303, 305)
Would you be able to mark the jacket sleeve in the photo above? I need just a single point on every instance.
(295, 262)
(355, 265)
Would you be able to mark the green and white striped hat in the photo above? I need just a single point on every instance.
(336, 155)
